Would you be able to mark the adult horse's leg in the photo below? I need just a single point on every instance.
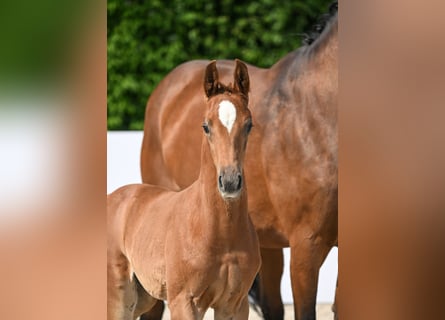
(269, 284)
(335, 305)
(307, 256)
(155, 313)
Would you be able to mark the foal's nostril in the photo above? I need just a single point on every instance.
(220, 182)
(239, 182)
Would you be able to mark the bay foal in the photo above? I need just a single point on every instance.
(196, 248)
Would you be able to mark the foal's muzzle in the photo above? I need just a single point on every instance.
(230, 182)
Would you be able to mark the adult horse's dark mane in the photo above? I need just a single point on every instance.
(314, 37)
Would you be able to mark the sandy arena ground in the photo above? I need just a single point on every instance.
(323, 313)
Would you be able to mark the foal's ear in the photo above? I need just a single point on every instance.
(211, 79)
(241, 75)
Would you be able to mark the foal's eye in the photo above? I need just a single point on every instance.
(206, 128)
(249, 127)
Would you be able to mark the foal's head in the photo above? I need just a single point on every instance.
(227, 125)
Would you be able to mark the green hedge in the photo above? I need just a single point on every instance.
(147, 39)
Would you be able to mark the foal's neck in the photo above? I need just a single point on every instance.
(219, 212)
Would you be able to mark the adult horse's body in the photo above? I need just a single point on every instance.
(196, 248)
(291, 158)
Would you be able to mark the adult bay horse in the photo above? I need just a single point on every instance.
(196, 248)
(291, 158)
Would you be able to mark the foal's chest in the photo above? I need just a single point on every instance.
(228, 282)
(230, 274)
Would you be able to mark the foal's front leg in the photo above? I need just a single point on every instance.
(182, 308)
(242, 314)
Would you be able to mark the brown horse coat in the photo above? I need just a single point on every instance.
(291, 158)
(196, 248)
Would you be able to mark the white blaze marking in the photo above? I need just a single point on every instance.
(227, 114)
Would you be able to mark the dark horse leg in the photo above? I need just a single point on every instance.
(155, 313)
(335, 305)
(266, 290)
(307, 256)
